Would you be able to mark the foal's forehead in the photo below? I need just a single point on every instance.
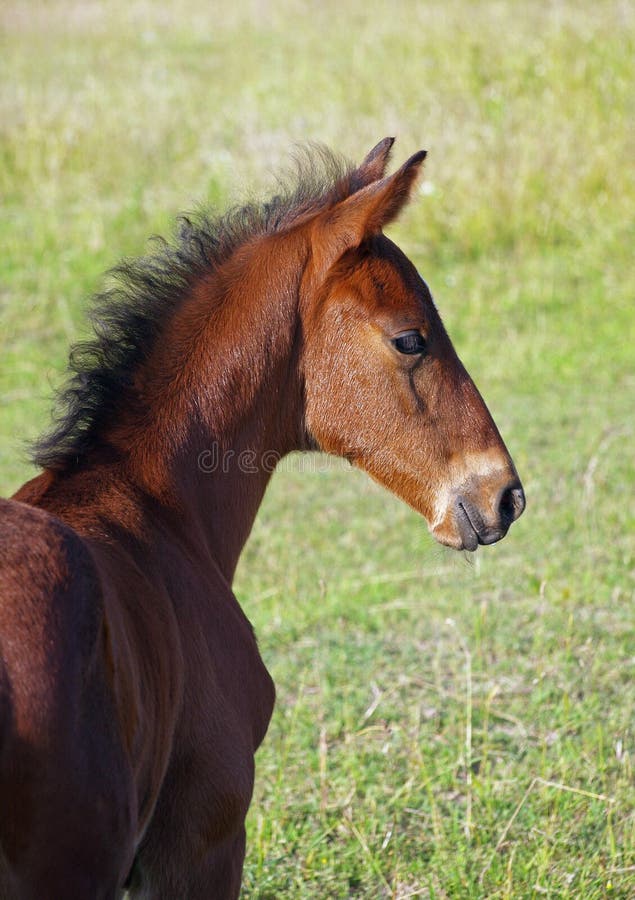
(394, 278)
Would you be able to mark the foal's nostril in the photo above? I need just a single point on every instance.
(511, 504)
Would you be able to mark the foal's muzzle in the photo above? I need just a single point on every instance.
(477, 527)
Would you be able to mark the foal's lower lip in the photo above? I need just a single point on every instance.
(468, 533)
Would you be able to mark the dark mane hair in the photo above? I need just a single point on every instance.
(128, 316)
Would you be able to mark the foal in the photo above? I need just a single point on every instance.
(132, 692)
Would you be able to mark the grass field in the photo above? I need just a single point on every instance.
(446, 727)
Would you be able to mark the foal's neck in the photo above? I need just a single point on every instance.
(224, 397)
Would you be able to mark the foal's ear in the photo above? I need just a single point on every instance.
(374, 165)
(365, 213)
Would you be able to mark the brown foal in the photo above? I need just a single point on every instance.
(132, 692)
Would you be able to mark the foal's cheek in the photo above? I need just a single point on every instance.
(409, 398)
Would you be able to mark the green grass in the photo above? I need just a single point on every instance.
(445, 727)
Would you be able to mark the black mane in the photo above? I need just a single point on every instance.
(128, 316)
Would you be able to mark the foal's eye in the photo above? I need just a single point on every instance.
(411, 343)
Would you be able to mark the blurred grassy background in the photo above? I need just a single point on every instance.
(420, 695)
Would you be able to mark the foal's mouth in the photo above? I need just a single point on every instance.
(472, 528)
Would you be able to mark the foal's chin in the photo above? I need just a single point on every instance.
(453, 538)
(470, 543)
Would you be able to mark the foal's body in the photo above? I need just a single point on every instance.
(132, 692)
(149, 613)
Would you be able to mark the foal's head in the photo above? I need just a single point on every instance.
(383, 385)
